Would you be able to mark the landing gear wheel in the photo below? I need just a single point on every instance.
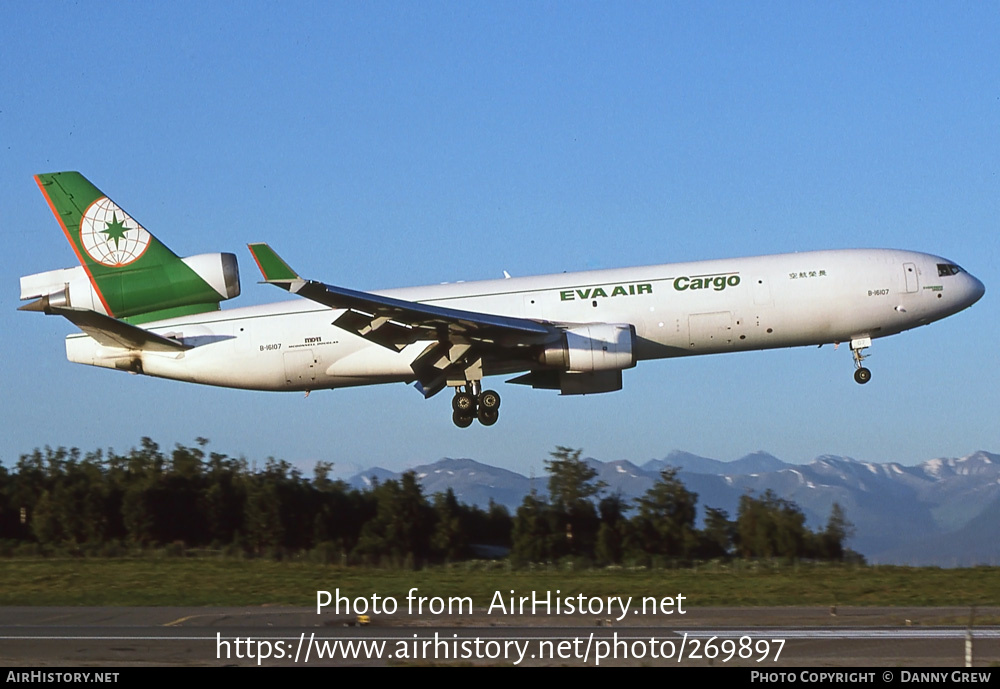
(462, 420)
(465, 404)
(490, 399)
(488, 417)
(858, 345)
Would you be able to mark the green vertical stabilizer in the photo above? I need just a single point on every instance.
(136, 277)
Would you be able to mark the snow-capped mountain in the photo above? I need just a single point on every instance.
(943, 511)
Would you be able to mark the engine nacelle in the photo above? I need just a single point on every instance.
(221, 271)
(65, 287)
(196, 281)
(592, 348)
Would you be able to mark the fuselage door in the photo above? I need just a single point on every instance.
(711, 331)
(300, 367)
(910, 272)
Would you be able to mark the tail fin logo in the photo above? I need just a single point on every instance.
(110, 236)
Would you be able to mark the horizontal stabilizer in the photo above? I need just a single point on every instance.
(111, 332)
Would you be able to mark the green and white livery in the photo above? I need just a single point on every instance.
(110, 236)
(129, 273)
(571, 332)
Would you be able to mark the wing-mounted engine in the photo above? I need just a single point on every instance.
(190, 285)
(588, 359)
(590, 348)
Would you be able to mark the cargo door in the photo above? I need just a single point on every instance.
(300, 367)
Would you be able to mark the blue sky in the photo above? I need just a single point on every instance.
(390, 144)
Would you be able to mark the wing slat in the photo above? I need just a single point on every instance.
(396, 323)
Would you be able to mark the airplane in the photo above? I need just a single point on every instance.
(144, 310)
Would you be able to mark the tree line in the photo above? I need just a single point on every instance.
(576, 522)
(102, 502)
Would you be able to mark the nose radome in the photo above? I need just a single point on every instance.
(976, 289)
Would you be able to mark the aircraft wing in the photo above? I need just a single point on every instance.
(112, 332)
(395, 323)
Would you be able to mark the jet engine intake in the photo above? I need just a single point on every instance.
(591, 348)
(221, 271)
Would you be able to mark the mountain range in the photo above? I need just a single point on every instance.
(942, 512)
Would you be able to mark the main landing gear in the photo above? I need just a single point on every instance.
(471, 403)
(861, 374)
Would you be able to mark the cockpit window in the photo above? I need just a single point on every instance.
(946, 269)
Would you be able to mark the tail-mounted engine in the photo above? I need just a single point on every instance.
(193, 284)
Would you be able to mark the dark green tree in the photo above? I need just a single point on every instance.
(716, 539)
(532, 534)
(833, 538)
(451, 538)
(770, 526)
(666, 515)
(572, 490)
(264, 531)
(224, 500)
(613, 534)
(401, 531)
(571, 480)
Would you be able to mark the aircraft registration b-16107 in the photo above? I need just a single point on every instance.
(145, 310)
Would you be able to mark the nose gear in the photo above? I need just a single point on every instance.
(861, 374)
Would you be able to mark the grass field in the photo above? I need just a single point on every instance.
(235, 582)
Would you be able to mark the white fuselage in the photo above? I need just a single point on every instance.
(678, 309)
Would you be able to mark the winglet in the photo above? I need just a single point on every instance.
(272, 266)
